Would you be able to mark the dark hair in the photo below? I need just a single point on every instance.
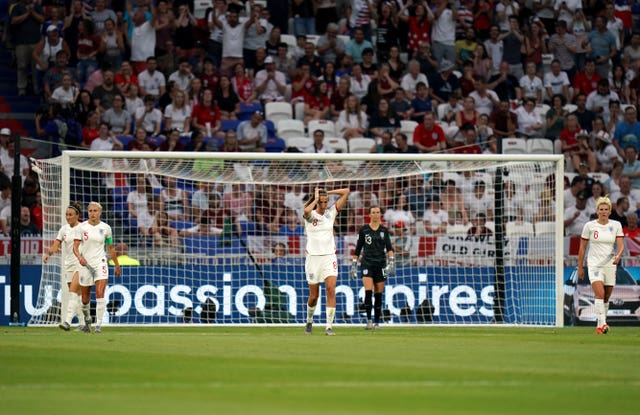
(77, 206)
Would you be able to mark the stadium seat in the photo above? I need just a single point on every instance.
(327, 126)
(407, 127)
(227, 125)
(361, 145)
(441, 111)
(271, 128)
(539, 146)
(545, 228)
(125, 140)
(275, 145)
(299, 142)
(570, 108)
(338, 144)
(299, 111)
(517, 229)
(290, 40)
(247, 110)
(290, 128)
(276, 111)
(457, 230)
(599, 177)
(514, 146)
(542, 110)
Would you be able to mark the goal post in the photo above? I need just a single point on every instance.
(232, 248)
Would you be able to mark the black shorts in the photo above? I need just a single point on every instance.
(374, 272)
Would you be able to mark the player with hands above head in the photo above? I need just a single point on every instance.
(601, 234)
(374, 243)
(321, 264)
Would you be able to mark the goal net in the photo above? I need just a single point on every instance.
(218, 238)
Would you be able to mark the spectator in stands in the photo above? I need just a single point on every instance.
(384, 121)
(44, 52)
(435, 219)
(529, 120)
(270, 84)
(172, 142)
(603, 46)
(453, 201)
(606, 153)
(178, 114)
(632, 234)
(252, 134)
(206, 116)
(555, 117)
(556, 82)
(162, 232)
(400, 105)
(148, 117)
(576, 216)
(585, 116)
(104, 94)
(359, 82)
(143, 23)
(318, 145)
(230, 142)
(621, 209)
(505, 85)
(53, 75)
(151, 81)
(563, 45)
(67, 93)
(118, 118)
(597, 191)
(578, 184)
(183, 76)
(141, 206)
(27, 228)
(132, 99)
(173, 200)
(284, 62)
(598, 100)
(197, 143)
(502, 121)
(412, 78)
(495, 48)
(233, 33)
(243, 84)
(466, 142)
(90, 130)
(125, 77)
(444, 84)
(227, 100)
(631, 166)
(421, 104)
(530, 84)
(87, 51)
(587, 81)
(26, 18)
(106, 141)
(478, 228)
(620, 84)
(403, 146)
(329, 46)
(112, 45)
(400, 212)
(479, 201)
(513, 41)
(484, 99)
(352, 121)
(627, 132)
(302, 84)
(429, 137)
(140, 141)
(317, 105)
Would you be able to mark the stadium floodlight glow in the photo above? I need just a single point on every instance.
(230, 275)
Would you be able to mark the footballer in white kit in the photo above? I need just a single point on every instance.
(70, 263)
(601, 252)
(321, 261)
(92, 247)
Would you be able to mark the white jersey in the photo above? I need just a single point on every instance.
(94, 238)
(602, 240)
(66, 236)
(319, 231)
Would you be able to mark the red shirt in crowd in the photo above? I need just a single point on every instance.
(429, 137)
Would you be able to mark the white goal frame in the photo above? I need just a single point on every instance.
(424, 162)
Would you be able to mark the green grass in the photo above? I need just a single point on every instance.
(218, 370)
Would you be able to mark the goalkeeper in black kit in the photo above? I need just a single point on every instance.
(376, 264)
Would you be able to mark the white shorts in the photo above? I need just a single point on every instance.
(67, 274)
(319, 267)
(87, 278)
(606, 275)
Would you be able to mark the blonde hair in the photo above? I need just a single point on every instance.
(96, 204)
(604, 200)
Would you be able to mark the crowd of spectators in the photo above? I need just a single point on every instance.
(151, 76)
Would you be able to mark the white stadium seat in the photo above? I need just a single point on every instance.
(361, 145)
(514, 146)
(327, 126)
(276, 111)
(539, 146)
(290, 128)
(517, 229)
(299, 142)
(338, 144)
(545, 228)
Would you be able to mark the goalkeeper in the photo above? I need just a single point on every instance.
(377, 263)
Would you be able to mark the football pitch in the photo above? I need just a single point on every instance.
(279, 370)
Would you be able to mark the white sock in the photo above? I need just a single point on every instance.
(78, 310)
(331, 313)
(606, 311)
(100, 309)
(599, 305)
(72, 305)
(310, 311)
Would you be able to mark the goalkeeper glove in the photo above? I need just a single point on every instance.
(390, 269)
(353, 272)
